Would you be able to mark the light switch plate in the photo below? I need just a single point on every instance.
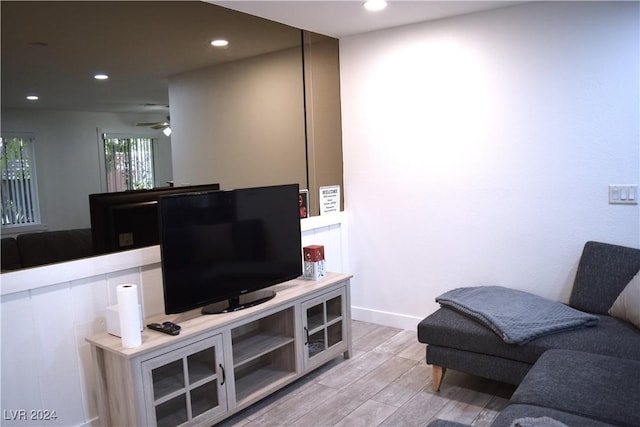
(623, 194)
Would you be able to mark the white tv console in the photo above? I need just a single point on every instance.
(222, 363)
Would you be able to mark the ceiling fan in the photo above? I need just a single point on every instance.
(164, 126)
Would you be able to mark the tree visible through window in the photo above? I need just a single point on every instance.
(17, 170)
(128, 163)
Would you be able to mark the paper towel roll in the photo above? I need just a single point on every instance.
(129, 315)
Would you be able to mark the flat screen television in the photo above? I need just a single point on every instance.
(219, 248)
(129, 219)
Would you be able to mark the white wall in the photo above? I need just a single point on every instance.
(479, 149)
(67, 159)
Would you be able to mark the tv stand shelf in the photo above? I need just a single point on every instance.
(222, 363)
(255, 346)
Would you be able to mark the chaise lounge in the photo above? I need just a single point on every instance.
(456, 341)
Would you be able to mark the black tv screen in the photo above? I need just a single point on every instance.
(129, 219)
(217, 246)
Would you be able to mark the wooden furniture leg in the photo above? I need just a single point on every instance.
(437, 374)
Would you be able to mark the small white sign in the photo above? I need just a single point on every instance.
(329, 199)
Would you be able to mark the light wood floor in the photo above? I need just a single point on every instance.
(386, 382)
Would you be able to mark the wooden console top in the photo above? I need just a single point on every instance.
(194, 323)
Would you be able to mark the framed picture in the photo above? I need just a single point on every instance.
(303, 203)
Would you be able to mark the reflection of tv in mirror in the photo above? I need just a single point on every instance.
(223, 246)
(129, 219)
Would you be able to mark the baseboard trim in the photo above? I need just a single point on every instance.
(385, 318)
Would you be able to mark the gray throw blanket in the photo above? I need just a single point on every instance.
(516, 316)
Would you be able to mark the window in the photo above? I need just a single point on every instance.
(19, 187)
(128, 163)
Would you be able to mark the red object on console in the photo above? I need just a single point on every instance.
(313, 253)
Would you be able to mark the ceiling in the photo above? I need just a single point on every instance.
(54, 48)
(348, 17)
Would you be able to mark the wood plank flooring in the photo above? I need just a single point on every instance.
(386, 382)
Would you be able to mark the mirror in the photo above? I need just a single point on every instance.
(160, 63)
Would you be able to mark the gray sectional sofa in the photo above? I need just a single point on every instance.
(458, 342)
(573, 388)
(46, 247)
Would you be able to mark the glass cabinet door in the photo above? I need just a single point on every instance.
(185, 384)
(323, 321)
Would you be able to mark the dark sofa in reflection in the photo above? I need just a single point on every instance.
(47, 247)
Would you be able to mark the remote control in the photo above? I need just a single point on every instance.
(171, 325)
(166, 328)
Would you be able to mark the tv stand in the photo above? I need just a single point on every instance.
(239, 303)
(219, 365)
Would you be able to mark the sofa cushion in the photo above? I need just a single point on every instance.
(448, 328)
(517, 411)
(54, 246)
(603, 272)
(627, 306)
(594, 386)
(10, 254)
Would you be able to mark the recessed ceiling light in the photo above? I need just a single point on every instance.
(101, 76)
(375, 5)
(33, 97)
(219, 43)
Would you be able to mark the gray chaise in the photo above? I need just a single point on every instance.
(455, 341)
